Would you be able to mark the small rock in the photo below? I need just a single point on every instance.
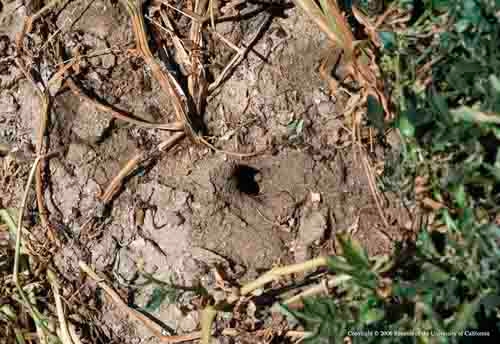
(315, 197)
(394, 139)
(4, 148)
(251, 309)
(29, 110)
(89, 195)
(95, 61)
(67, 188)
(312, 229)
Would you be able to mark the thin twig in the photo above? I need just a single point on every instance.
(167, 82)
(132, 164)
(75, 88)
(43, 95)
(180, 51)
(138, 316)
(28, 24)
(237, 58)
(193, 16)
(115, 49)
(233, 332)
(75, 19)
(197, 83)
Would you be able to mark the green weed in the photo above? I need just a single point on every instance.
(443, 71)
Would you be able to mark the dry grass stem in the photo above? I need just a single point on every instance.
(138, 316)
(167, 82)
(43, 115)
(118, 114)
(36, 315)
(236, 60)
(277, 273)
(63, 325)
(207, 319)
(320, 288)
(132, 164)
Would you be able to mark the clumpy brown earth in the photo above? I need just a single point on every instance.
(193, 208)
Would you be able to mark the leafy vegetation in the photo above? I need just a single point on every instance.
(443, 72)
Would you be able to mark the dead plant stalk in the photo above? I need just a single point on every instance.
(152, 326)
(43, 95)
(277, 273)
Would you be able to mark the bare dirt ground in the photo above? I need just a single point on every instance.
(193, 208)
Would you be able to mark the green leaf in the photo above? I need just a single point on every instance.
(388, 39)
(462, 25)
(425, 244)
(372, 315)
(434, 273)
(375, 113)
(460, 196)
(495, 82)
(491, 303)
(353, 252)
(470, 114)
(296, 127)
(300, 127)
(440, 103)
(408, 292)
(440, 5)
(404, 125)
(338, 264)
(159, 295)
(448, 220)
(9, 311)
(292, 126)
(465, 316)
(494, 170)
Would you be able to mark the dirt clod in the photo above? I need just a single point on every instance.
(311, 230)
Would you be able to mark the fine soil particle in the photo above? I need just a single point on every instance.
(193, 208)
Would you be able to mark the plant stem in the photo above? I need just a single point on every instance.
(277, 273)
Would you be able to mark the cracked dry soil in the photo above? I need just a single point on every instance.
(193, 208)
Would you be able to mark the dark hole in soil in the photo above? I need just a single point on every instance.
(245, 179)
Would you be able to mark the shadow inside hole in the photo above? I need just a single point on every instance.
(245, 179)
